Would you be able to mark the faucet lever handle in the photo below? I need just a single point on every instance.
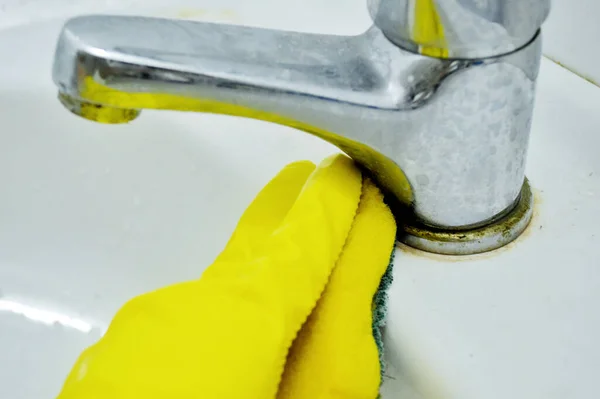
(467, 29)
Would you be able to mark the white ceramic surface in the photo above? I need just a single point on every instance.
(91, 215)
(572, 33)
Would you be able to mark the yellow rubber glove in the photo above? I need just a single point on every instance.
(284, 311)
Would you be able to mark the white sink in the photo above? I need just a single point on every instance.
(91, 215)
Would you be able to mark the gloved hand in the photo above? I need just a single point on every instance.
(284, 312)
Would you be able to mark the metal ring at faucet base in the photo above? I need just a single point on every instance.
(482, 239)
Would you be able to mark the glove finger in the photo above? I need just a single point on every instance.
(263, 215)
(271, 300)
(335, 351)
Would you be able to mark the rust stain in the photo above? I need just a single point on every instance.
(218, 15)
(230, 15)
(533, 227)
(191, 13)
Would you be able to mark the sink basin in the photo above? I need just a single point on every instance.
(91, 215)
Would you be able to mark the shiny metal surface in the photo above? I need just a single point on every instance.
(460, 28)
(446, 138)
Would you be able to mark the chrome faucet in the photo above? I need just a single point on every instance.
(435, 100)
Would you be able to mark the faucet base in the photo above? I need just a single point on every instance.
(482, 239)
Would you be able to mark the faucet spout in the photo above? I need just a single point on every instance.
(445, 138)
(299, 80)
